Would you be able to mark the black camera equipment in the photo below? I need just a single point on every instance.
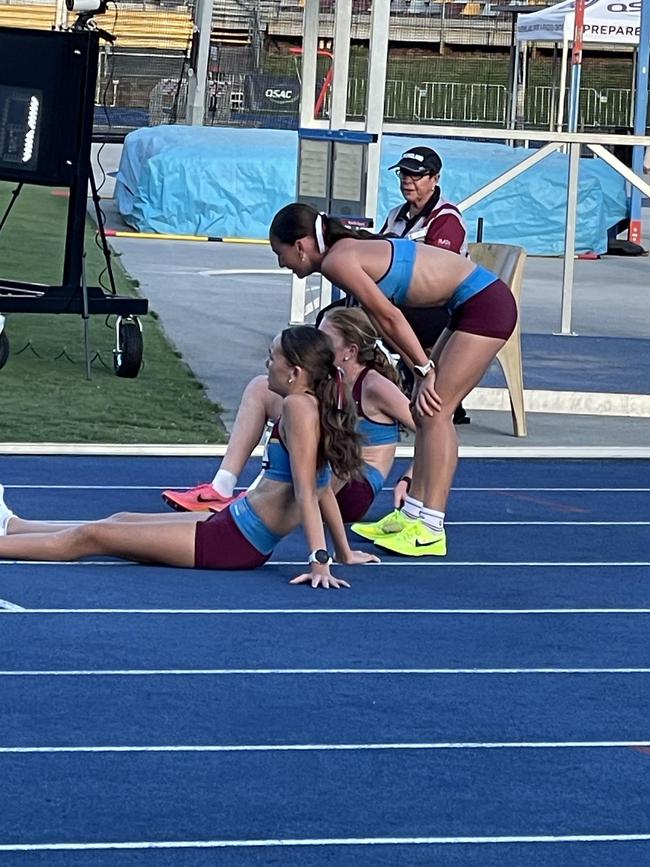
(47, 89)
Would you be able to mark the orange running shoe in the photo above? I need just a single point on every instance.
(202, 498)
(216, 507)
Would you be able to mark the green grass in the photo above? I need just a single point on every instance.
(45, 396)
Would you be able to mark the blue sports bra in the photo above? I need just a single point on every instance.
(277, 464)
(374, 433)
(396, 281)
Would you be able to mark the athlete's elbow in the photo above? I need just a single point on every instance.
(388, 320)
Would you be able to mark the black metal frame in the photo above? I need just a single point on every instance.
(73, 296)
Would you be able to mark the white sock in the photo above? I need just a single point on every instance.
(435, 521)
(224, 483)
(5, 513)
(411, 508)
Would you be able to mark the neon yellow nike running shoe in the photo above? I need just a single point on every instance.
(416, 540)
(389, 525)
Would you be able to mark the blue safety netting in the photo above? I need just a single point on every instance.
(228, 182)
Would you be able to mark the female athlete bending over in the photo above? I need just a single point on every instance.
(315, 432)
(400, 271)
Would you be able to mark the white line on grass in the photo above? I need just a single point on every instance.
(290, 748)
(291, 672)
(325, 841)
(334, 611)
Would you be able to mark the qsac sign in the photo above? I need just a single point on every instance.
(281, 95)
(272, 93)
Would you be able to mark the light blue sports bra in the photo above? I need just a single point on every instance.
(277, 464)
(396, 281)
(374, 433)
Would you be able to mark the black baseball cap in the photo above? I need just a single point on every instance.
(419, 161)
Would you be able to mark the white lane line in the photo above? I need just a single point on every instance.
(5, 605)
(290, 748)
(184, 487)
(328, 611)
(427, 562)
(546, 523)
(291, 672)
(325, 841)
(437, 562)
(476, 523)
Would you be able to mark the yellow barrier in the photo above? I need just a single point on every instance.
(146, 28)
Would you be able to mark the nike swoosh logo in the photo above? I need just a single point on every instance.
(419, 544)
(202, 499)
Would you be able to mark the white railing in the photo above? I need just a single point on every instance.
(470, 102)
(477, 103)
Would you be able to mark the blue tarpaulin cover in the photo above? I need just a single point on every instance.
(228, 182)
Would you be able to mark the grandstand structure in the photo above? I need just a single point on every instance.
(449, 62)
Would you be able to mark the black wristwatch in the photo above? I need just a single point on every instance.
(423, 369)
(320, 556)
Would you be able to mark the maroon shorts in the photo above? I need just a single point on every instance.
(492, 312)
(354, 499)
(219, 544)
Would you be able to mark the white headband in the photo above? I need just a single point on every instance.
(380, 346)
(318, 229)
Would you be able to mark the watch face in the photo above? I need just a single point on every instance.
(321, 556)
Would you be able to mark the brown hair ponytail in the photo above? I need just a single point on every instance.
(298, 220)
(339, 443)
(357, 329)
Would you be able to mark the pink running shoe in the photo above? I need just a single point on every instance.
(215, 507)
(202, 498)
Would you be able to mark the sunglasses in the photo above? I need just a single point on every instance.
(415, 176)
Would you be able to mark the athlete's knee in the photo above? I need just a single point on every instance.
(438, 419)
(121, 518)
(257, 387)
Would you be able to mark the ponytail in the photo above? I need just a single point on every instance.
(298, 220)
(340, 443)
(357, 329)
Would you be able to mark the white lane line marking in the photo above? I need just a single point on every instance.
(5, 605)
(334, 611)
(325, 841)
(226, 672)
(427, 562)
(546, 523)
(289, 748)
(437, 562)
(184, 487)
(475, 523)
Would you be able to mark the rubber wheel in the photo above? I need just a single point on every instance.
(128, 360)
(4, 349)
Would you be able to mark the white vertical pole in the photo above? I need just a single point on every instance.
(309, 63)
(376, 96)
(341, 63)
(310, 22)
(570, 237)
(198, 78)
(562, 94)
(60, 15)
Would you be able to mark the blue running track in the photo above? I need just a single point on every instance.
(488, 708)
